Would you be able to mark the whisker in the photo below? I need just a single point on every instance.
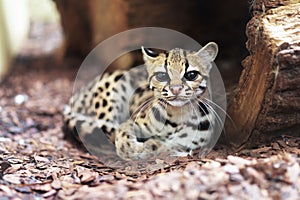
(142, 107)
(219, 120)
(211, 121)
(210, 108)
(221, 109)
(210, 101)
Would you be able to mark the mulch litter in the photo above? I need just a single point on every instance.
(36, 162)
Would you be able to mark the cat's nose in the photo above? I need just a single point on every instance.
(176, 89)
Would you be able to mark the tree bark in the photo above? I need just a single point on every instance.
(267, 101)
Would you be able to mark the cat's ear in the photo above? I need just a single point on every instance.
(149, 55)
(209, 52)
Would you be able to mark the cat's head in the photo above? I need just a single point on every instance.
(179, 75)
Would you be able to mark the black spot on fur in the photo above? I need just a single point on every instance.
(183, 135)
(101, 116)
(123, 88)
(97, 105)
(100, 89)
(173, 124)
(110, 109)
(107, 84)
(202, 139)
(203, 109)
(115, 90)
(107, 93)
(123, 98)
(140, 91)
(202, 88)
(179, 129)
(118, 77)
(142, 115)
(104, 103)
(204, 125)
(104, 129)
(142, 139)
(195, 142)
(95, 94)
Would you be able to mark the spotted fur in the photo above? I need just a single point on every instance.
(149, 112)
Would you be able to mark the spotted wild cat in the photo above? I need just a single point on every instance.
(144, 113)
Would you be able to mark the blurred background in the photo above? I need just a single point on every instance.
(71, 28)
(25, 30)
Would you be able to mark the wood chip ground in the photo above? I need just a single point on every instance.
(36, 162)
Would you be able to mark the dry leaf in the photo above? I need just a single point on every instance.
(56, 184)
(41, 187)
(11, 178)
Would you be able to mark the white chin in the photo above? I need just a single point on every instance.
(178, 103)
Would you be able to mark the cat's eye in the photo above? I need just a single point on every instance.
(162, 76)
(191, 75)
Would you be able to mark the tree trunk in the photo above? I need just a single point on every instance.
(267, 101)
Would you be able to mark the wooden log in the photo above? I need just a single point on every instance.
(75, 20)
(267, 101)
(260, 6)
